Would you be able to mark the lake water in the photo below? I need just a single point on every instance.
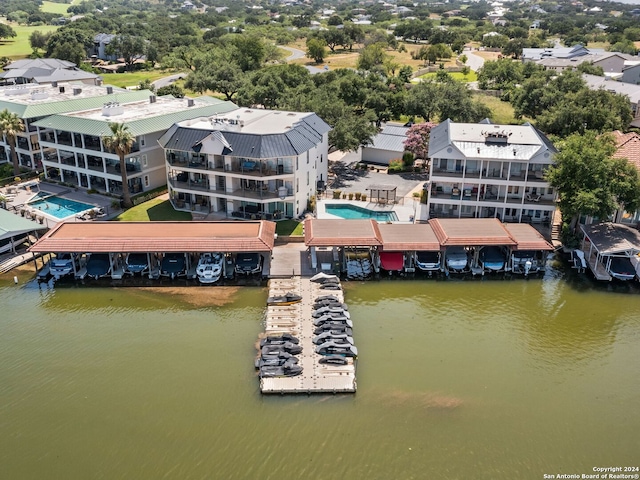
(475, 379)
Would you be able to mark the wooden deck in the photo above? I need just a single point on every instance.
(598, 269)
(296, 319)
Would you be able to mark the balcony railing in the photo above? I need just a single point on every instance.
(190, 185)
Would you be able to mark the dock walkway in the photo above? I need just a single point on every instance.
(297, 320)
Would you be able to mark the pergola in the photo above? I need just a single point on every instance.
(382, 193)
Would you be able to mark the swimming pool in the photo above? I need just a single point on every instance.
(353, 211)
(58, 207)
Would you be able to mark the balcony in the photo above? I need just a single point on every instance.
(92, 143)
(535, 176)
(202, 185)
(64, 138)
(95, 163)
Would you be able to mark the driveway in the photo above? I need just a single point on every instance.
(474, 62)
(351, 180)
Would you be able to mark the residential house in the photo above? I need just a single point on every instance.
(485, 170)
(631, 73)
(73, 151)
(247, 163)
(46, 71)
(630, 90)
(628, 146)
(100, 49)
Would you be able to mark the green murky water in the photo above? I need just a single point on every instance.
(456, 379)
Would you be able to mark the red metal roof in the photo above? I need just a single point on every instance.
(527, 237)
(125, 237)
(401, 237)
(336, 233)
(470, 232)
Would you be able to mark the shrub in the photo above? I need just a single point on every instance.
(350, 196)
(364, 197)
(344, 196)
(311, 204)
(407, 159)
(358, 195)
(336, 194)
(92, 190)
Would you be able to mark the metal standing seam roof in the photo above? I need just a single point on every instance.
(144, 126)
(335, 233)
(142, 237)
(12, 225)
(46, 108)
(527, 237)
(301, 137)
(470, 232)
(611, 238)
(402, 237)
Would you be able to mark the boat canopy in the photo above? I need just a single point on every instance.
(392, 261)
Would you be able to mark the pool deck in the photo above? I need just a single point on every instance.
(21, 197)
(405, 213)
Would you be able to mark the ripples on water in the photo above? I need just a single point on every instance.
(456, 379)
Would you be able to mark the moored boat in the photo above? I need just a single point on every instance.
(492, 259)
(98, 265)
(288, 298)
(62, 265)
(621, 268)
(456, 259)
(209, 269)
(173, 264)
(137, 263)
(428, 261)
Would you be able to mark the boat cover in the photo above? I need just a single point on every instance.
(391, 261)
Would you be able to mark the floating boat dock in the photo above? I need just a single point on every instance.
(297, 320)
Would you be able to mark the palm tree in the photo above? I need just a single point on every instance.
(10, 125)
(121, 141)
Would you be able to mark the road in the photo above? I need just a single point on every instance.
(474, 62)
(296, 54)
(166, 81)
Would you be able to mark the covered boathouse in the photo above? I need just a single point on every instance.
(116, 239)
(611, 250)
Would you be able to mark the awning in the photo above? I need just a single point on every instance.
(391, 261)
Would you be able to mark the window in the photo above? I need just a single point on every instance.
(144, 161)
(142, 141)
(307, 178)
(146, 180)
(321, 159)
(307, 157)
(297, 166)
(297, 185)
(550, 191)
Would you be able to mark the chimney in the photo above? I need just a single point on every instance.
(190, 102)
(109, 90)
(61, 89)
(152, 98)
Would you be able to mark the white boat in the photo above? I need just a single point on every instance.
(209, 268)
(456, 259)
(621, 268)
(492, 258)
(428, 261)
(527, 262)
(579, 260)
(61, 265)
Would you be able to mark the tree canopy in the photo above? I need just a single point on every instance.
(589, 181)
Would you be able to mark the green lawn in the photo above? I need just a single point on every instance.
(470, 77)
(156, 210)
(18, 46)
(288, 228)
(130, 79)
(502, 112)
(53, 7)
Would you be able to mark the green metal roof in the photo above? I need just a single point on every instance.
(73, 105)
(144, 126)
(12, 225)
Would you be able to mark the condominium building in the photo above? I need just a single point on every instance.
(73, 151)
(33, 102)
(249, 163)
(485, 170)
